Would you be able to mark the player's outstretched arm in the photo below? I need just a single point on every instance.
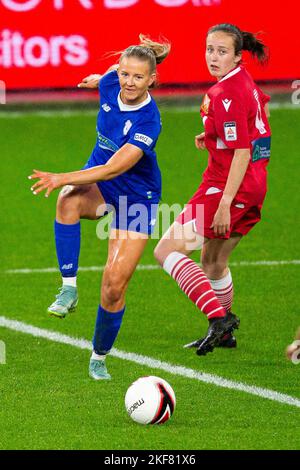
(92, 81)
(121, 161)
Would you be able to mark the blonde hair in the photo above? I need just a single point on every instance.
(148, 50)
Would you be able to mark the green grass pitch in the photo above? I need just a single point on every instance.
(47, 398)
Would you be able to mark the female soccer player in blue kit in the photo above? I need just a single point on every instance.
(121, 172)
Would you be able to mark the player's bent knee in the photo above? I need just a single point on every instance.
(66, 198)
(111, 294)
(214, 270)
(66, 205)
(113, 288)
(157, 254)
(161, 251)
(72, 204)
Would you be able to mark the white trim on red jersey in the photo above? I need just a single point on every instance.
(230, 74)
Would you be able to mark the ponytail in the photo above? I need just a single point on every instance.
(256, 47)
(148, 50)
(160, 49)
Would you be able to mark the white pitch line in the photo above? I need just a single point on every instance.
(152, 267)
(152, 363)
(141, 267)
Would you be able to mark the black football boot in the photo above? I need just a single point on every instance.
(227, 341)
(218, 327)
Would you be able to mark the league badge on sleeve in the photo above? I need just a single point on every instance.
(230, 131)
(205, 105)
(143, 138)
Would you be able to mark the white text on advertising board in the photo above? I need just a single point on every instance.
(28, 5)
(37, 51)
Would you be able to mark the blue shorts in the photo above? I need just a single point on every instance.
(128, 214)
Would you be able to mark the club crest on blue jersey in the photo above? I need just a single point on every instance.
(127, 127)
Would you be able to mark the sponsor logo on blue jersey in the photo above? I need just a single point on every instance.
(105, 143)
(106, 107)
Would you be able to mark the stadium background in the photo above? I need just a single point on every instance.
(46, 47)
(53, 42)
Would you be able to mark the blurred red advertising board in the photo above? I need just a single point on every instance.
(54, 43)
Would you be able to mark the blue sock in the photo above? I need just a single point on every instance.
(67, 239)
(106, 330)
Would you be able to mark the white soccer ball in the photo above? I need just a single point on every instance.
(150, 400)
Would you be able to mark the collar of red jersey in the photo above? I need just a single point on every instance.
(127, 107)
(231, 74)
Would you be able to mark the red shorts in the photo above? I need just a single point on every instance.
(202, 207)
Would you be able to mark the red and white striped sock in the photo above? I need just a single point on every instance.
(223, 288)
(194, 283)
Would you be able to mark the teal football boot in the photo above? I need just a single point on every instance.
(97, 370)
(66, 301)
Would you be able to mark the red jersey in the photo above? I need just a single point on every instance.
(234, 118)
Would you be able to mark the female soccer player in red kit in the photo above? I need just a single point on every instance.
(237, 136)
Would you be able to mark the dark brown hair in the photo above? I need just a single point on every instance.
(243, 41)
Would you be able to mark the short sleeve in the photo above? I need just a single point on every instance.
(144, 135)
(263, 97)
(231, 121)
(107, 81)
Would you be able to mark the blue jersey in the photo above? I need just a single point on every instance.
(118, 124)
